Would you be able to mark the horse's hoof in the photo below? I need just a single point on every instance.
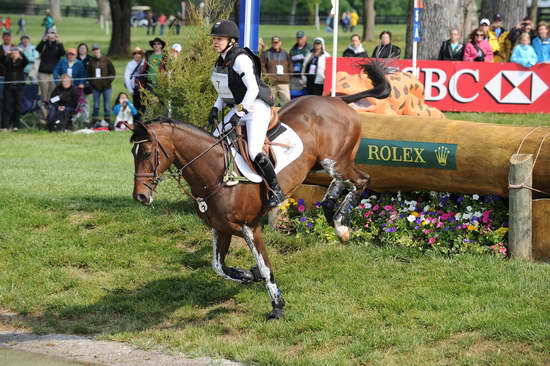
(275, 314)
(343, 233)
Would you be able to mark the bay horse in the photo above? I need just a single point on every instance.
(330, 132)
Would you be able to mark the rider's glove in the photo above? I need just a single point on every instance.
(234, 120)
(213, 117)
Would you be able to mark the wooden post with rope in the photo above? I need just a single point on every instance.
(520, 178)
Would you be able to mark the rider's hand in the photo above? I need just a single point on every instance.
(235, 119)
(213, 117)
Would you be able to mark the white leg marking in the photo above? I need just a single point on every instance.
(329, 166)
(272, 289)
(216, 260)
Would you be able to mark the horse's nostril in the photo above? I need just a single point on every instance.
(141, 198)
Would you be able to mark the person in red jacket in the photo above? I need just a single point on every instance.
(478, 49)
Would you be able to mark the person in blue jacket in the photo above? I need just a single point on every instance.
(72, 67)
(541, 44)
(523, 52)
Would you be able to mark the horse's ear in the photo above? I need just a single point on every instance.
(129, 126)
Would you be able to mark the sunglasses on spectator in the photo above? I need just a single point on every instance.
(479, 34)
(157, 43)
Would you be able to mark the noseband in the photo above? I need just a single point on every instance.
(154, 178)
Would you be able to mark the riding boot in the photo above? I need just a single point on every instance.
(276, 197)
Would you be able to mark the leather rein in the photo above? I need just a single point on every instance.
(177, 174)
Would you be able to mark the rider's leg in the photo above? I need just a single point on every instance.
(256, 129)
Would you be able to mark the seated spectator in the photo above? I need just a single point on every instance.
(452, 49)
(355, 49)
(124, 112)
(14, 63)
(385, 49)
(478, 49)
(526, 26)
(541, 44)
(523, 53)
(31, 54)
(498, 39)
(313, 72)
(63, 102)
(72, 67)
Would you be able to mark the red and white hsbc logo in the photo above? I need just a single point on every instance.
(516, 87)
(475, 86)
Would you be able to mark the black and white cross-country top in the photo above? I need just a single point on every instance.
(237, 79)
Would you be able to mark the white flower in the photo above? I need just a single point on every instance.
(475, 197)
(426, 208)
(467, 216)
(368, 205)
(412, 208)
(372, 197)
(411, 218)
(469, 208)
(364, 201)
(399, 195)
(458, 216)
(433, 194)
(478, 214)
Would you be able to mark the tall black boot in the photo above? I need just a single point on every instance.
(276, 197)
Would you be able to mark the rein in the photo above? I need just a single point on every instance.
(178, 174)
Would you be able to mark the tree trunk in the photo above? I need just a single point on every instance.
(533, 12)
(120, 36)
(364, 19)
(447, 14)
(292, 19)
(513, 11)
(371, 16)
(471, 20)
(55, 9)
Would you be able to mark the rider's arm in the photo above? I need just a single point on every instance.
(245, 67)
(219, 103)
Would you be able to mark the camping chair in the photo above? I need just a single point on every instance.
(30, 109)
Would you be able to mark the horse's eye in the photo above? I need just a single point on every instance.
(146, 154)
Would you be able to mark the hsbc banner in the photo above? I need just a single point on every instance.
(472, 86)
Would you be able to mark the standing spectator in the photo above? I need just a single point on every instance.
(276, 62)
(48, 22)
(354, 20)
(31, 54)
(541, 44)
(72, 67)
(177, 22)
(14, 63)
(162, 23)
(526, 26)
(452, 49)
(385, 49)
(124, 112)
(523, 53)
(102, 72)
(330, 23)
(355, 49)
(83, 54)
(2, 86)
(82, 108)
(7, 24)
(134, 80)
(63, 103)
(21, 26)
(498, 39)
(313, 71)
(298, 53)
(51, 50)
(6, 44)
(152, 20)
(156, 60)
(346, 21)
(478, 49)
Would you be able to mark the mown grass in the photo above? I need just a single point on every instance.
(77, 255)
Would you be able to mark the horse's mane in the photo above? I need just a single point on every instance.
(141, 133)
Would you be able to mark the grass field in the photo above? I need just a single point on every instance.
(78, 255)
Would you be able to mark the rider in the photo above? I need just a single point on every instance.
(236, 78)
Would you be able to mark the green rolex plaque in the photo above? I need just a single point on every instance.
(409, 154)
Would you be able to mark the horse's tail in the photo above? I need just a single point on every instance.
(382, 88)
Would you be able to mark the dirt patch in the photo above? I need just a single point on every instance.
(80, 217)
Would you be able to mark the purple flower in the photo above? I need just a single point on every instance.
(417, 221)
(317, 204)
(417, 227)
(460, 199)
(303, 219)
(390, 229)
(466, 240)
(310, 224)
(301, 202)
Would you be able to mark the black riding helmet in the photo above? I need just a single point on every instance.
(225, 28)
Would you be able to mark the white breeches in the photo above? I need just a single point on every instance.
(257, 121)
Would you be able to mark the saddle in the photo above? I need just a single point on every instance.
(274, 129)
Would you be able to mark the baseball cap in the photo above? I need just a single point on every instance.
(176, 47)
(318, 40)
(95, 46)
(275, 39)
(300, 34)
(498, 16)
(485, 21)
(6, 33)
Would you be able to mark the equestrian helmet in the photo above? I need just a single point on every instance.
(225, 28)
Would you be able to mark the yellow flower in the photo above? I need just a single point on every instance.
(424, 223)
(471, 227)
(501, 231)
(415, 214)
(292, 201)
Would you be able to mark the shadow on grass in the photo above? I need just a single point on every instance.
(148, 307)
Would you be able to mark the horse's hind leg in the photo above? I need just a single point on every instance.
(220, 246)
(257, 247)
(331, 198)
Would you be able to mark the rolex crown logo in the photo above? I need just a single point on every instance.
(442, 153)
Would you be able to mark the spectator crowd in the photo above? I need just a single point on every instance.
(66, 76)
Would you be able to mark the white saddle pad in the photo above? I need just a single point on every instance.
(284, 155)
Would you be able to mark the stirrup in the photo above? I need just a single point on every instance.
(275, 198)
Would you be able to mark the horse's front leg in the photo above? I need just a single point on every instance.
(257, 247)
(220, 247)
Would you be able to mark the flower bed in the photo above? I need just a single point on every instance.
(443, 222)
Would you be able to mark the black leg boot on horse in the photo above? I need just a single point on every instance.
(266, 169)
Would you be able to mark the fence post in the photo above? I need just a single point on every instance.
(520, 205)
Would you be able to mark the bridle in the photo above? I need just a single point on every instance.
(154, 178)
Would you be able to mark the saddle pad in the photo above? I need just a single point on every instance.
(284, 155)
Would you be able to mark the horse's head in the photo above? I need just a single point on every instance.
(153, 154)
